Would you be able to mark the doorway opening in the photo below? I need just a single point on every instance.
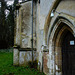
(62, 48)
(68, 54)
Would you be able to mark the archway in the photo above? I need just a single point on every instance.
(63, 31)
(60, 30)
(64, 50)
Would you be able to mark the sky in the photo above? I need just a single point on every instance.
(9, 2)
(0, 4)
(7, 12)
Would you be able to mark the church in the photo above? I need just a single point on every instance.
(45, 32)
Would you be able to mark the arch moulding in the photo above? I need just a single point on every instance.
(56, 32)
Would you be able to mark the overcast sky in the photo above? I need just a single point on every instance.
(9, 2)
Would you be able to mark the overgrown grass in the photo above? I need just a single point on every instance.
(7, 68)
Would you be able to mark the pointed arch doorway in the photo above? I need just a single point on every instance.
(62, 48)
(64, 41)
(68, 54)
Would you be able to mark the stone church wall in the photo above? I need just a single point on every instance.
(24, 26)
(44, 33)
(23, 35)
(22, 57)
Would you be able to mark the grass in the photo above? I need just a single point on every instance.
(7, 68)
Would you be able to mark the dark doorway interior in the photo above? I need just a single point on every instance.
(68, 54)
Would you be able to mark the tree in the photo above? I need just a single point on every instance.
(11, 23)
(7, 25)
(2, 24)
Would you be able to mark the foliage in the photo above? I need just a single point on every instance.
(6, 50)
(3, 26)
(7, 68)
(7, 25)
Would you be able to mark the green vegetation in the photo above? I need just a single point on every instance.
(7, 68)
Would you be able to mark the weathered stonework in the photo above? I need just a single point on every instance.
(45, 62)
(23, 26)
(22, 57)
(15, 56)
(48, 33)
(25, 57)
